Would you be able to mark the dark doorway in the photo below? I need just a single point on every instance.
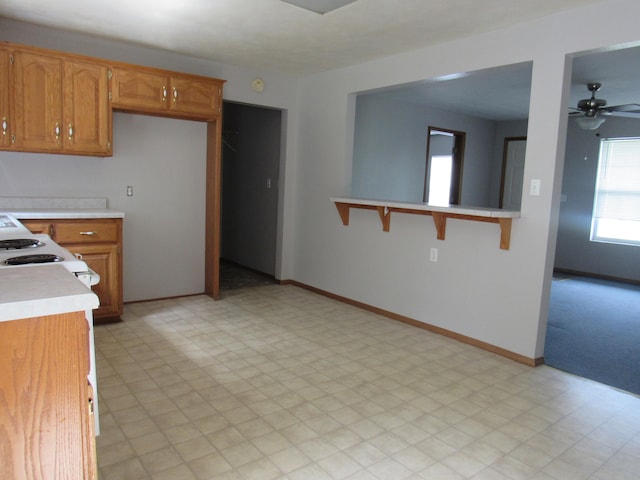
(251, 152)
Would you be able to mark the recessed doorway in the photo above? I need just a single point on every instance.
(251, 152)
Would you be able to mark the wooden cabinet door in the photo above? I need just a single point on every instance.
(86, 108)
(197, 97)
(46, 426)
(140, 90)
(39, 226)
(104, 260)
(37, 96)
(5, 115)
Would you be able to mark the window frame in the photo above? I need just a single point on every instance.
(600, 222)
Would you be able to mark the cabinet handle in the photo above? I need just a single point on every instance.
(88, 233)
(70, 131)
(5, 125)
(56, 130)
(175, 94)
(52, 231)
(164, 93)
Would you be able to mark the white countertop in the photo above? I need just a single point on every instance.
(453, 209)
(65, 213)
(35, 291)
(34, 208)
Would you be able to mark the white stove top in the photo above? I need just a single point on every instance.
(11, 228)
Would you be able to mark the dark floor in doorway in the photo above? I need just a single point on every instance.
(234, 276)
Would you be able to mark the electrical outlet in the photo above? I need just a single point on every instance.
(434, 255)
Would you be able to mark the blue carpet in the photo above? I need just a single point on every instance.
(594, 331)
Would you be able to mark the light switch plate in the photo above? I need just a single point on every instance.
(535, 188)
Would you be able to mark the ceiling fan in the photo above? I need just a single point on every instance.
(592, 111)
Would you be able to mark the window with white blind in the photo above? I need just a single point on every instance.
(616, 207)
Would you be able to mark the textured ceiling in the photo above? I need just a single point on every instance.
(274, 35)
(271, 34)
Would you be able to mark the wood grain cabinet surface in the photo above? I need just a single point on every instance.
(56, 103)
(46, 415)
(160, 92)
(5, 116)
(99, 242)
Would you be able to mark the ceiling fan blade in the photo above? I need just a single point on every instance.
(615, 113)
(628, 108)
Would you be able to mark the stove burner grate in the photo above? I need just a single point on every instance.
(18, 243)
(37, 258)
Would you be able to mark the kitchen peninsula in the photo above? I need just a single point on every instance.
(46, 402)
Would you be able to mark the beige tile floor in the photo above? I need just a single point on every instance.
(275, 382)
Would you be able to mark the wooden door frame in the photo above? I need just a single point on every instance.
(505, 146)
(213, 199)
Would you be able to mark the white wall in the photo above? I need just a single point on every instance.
(476, 289)
(390, 148)
(164, 159)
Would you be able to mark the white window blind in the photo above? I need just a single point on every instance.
(616, 210)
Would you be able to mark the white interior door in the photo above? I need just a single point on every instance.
(513, 173)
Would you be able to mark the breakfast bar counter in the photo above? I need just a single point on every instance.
(37, 291)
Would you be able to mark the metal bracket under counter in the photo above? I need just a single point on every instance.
(439, 214)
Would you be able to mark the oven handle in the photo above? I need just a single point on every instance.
(89, 277)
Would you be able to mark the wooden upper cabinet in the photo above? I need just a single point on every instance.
(37, 101)
(195, 96)
(87, 125)
(5, 115)
(134, 89)
(58, 103)
(159, 92)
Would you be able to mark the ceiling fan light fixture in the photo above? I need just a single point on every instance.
(319, 6)
(590, 122)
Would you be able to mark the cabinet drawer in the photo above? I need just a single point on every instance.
(87, 232)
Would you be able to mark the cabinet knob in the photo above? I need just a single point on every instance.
(70, 129)
(164, 93)
(175, 94)
(56, 130)
(5, 125)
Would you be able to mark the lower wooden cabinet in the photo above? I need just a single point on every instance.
(46, 415)
(99, 242)
(104, 259)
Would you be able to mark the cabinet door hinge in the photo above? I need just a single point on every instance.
(109, 74)
(11, 59)
(110, 96)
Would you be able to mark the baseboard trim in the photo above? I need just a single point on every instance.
(578, 273)
(531, 362)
